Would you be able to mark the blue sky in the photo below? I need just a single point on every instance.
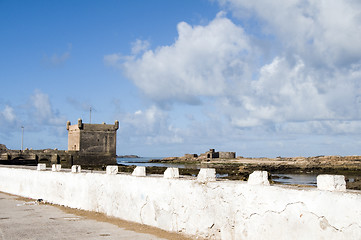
(262, 78)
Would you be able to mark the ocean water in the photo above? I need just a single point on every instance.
(301, 179)
(144, 161)
(136, 160)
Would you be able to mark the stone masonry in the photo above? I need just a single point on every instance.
(89, 145)
(92, 144)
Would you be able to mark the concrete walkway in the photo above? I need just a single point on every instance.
(20, 219)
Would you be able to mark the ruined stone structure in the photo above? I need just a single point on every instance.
(211, 154)
(227, 155)
(89, 145)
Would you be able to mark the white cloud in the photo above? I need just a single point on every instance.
(150, 126)
(55, 59)
(44, 112)
(283, 92)
(216, 61)
(297, 97)
(8, 114)
(300, 74)
(139, 46)
(42, 105)
(203, 61)
(8, 121)
(112, 59)
(322, 127)
(115, 59)
(320, 31)
(37, 116)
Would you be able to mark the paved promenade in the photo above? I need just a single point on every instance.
(24, 219)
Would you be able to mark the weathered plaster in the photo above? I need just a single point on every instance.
(213, 210)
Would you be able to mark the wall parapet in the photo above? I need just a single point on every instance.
(213, 209)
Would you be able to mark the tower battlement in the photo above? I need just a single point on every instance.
(93, 140)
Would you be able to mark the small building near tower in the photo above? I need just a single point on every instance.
(92, 144)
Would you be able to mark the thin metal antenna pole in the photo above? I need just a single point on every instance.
(22, 138)
(90, 115)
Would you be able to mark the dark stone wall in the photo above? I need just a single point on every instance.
(98, 142)
(49, 157)
(93, 160)
(227, 155)
(93, 138)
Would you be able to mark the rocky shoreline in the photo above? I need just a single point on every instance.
(241, 172)
(322, 164)
(239, 168)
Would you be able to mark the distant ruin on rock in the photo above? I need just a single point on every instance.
(211, 154)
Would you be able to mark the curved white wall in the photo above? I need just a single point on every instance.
(214, 210)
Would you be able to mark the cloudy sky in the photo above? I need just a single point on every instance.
(262, 78)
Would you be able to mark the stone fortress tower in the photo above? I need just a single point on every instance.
(92, 144)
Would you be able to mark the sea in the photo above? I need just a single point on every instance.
(145, 161)
(287, 179)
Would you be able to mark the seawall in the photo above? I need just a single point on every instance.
(204, 207)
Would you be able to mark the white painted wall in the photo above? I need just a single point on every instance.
(213, 210)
